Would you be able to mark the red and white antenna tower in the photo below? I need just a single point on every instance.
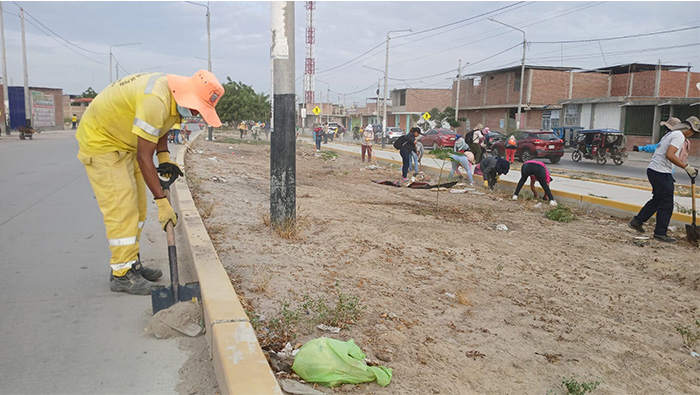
(310, 67)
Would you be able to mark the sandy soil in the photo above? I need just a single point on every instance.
(453, 305)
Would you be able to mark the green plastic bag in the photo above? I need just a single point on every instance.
(332, 362)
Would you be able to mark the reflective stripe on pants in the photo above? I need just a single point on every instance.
(121, 194)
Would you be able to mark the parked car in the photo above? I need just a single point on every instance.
(335, 127)
(491, 138)
(393, 133)
(377, 129)
(438, 138)
(534, 144)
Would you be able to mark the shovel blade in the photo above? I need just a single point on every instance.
(693, 233)
(162, 297)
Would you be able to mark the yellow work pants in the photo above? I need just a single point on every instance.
(120, 191)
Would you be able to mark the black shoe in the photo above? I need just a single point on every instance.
(636, 225)
(665, 238)
(635, 148)
(132, 283)
(148, 273)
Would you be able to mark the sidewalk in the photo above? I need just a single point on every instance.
(61, 328)
(624, 200)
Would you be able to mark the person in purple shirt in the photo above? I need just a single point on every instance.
(535, 170)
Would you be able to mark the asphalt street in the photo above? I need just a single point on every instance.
(62, 331)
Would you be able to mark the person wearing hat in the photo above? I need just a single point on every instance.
(670, 124)
(474, 139)
(124, 126)
(367, 138)
(672, 150)
(491, 167)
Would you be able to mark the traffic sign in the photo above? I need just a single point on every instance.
(316, 110)
(426, 116)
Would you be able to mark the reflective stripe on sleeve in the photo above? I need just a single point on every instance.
(146, 127)
(119, 266)
(124, 241)
(151, 83)
(141, 224)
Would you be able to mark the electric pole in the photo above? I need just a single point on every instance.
(459, 79)
(283, 140)
(4, 72)
(27, 107)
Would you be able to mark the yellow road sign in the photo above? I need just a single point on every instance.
(426, 116)
(316, 110)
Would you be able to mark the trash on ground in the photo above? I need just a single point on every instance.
(213, 159)
(218, 179)
(641, 237)
(297, 388)
(373, 167)
(333, 362)
(458, 191)
(450, 295)
(502, 227)
(538, 205)
(694, 354)
(332, 329)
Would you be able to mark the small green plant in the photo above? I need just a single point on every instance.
(346, 311)
(689, 335)
(682, 209)
(443, 154)
(561, 213)
(575, 388)
(328, 155)
(282, 329)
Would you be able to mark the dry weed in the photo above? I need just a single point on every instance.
(261, 280)
(462, 299)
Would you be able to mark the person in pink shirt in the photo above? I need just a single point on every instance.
(535, 170)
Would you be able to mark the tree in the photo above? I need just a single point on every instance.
(242, 103)
(439, 119)
(88, 94)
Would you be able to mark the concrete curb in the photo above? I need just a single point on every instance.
(239, 363)
(581, 199)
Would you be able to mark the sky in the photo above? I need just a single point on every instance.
(68, 43)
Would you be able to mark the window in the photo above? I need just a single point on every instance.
(516, 83)
(402, 98)
(572, 112)
(477, 81)
(550, 119)
(639, 120)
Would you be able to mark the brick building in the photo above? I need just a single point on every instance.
(46, 105)
(74, 105)
(408, 104)
(639, 97)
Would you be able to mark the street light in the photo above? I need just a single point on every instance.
(110, 57)
(211, 129)
(386, 76)
(522, 70)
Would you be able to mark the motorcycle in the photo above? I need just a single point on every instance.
(600, 145)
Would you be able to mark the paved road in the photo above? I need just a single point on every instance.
(62, 331)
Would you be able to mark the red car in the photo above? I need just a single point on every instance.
(534, 144)
(438, 138)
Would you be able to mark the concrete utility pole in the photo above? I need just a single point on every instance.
(4, 72)
(283, 140)
(112, 56)
(459, 79)
(27, 107)
(522, 70)
(386, 78)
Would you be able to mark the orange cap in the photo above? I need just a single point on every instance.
(200, 92)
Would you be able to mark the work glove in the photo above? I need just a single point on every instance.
(167, 169)
(165, 212)
(692, 172)
(163, 157)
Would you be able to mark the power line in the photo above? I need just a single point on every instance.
(615, 38)
(57, 35)
(63, 44)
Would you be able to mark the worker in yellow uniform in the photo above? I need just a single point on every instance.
(119, 133)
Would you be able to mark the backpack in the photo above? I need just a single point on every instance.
(400, 142)
(469, 137)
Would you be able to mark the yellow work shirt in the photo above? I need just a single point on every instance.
(138, 105)
(74, 119)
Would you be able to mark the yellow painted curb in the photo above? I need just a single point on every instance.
(239, 362)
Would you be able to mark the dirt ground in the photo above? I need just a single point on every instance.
(453, 305)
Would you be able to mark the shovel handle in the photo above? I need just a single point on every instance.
(166, 182)
(692, 192)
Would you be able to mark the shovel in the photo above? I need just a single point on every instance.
(692, 231)
(164, 297)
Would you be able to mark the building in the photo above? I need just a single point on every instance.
(408, 104)
(45, 105)
(72, 104)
